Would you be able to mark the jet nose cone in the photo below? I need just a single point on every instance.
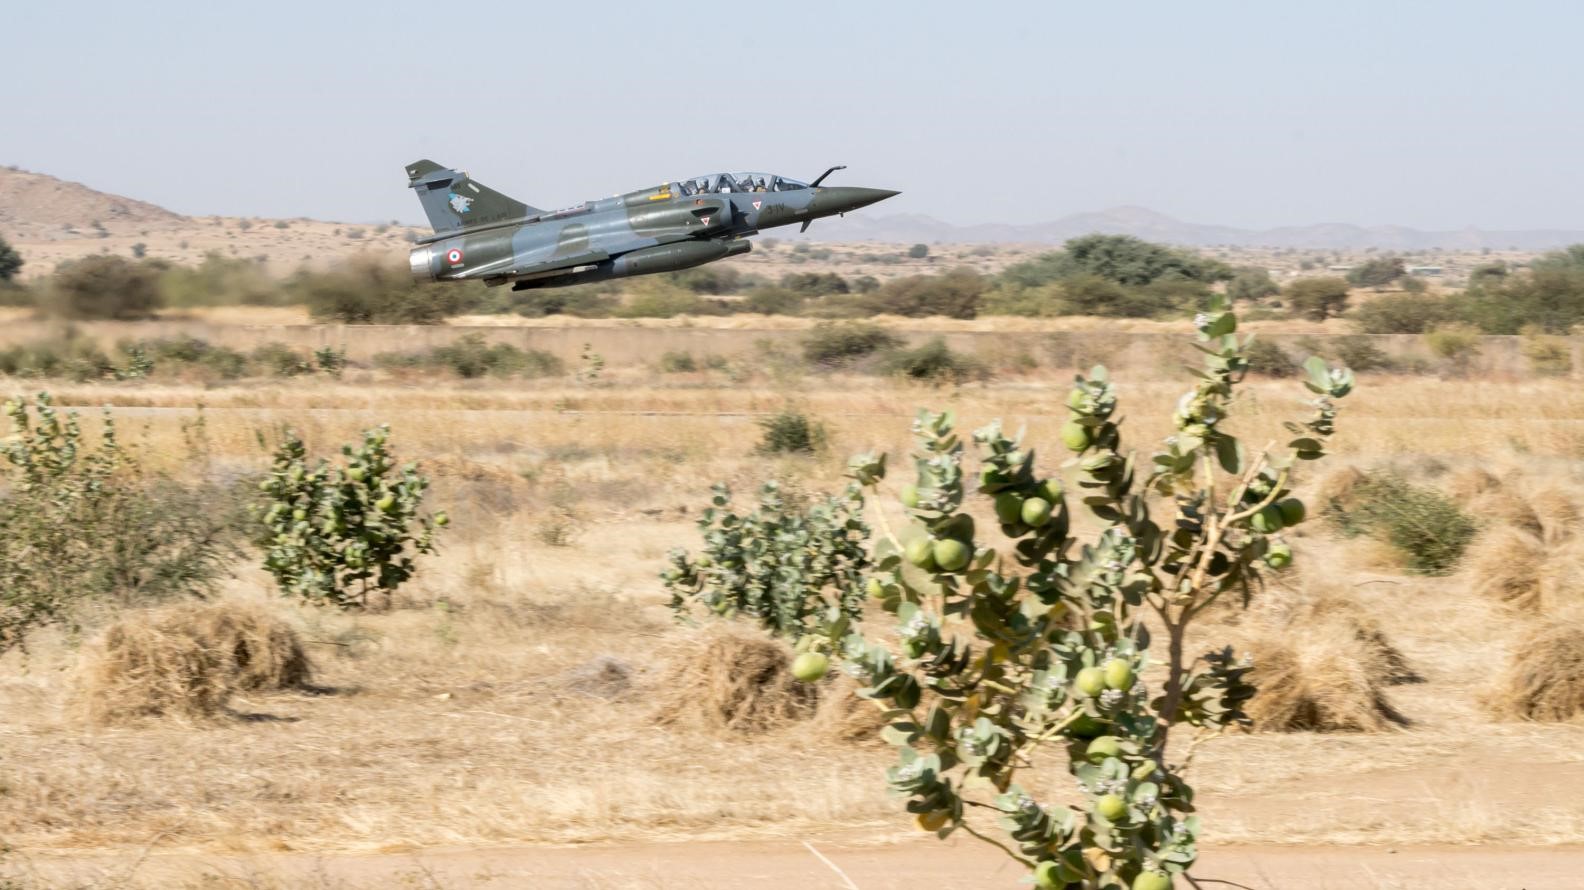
(840, 199)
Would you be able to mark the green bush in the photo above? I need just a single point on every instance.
(1270, 360)
(1457, 343)
(1006, 298)
(815, 284)
(1548, 356)
(789, 569)
(71, 357)
(790, 432)
(663, 300)
(221, 281)
(220, 361)
(1361, 354)
(952, 295)
(82, 521)
(1402, 314)
(933, 360)
(470, 357)
(280, 360)
(840, 344)
(1376, 272)
(772, 300)
(677, 363)
(344, 535)
(104, 287)
(1421, 523)
(1550, 295)
(1250, 284)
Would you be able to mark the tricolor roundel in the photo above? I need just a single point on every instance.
(454, 257)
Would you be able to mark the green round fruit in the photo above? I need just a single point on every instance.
(810, 667)
(875, 589)
(1050, 490)
(443, 519)
(1267, 521)
(1103, 747)
(1144, 770)
(1047, 876)
(1075, 436)
(1278, 556)
(1110, 807)
(1008, 508)
(1118, 674)
(1015, 459)
(1085, 727)
(1036, 512)
(357, 474)
(1292, 511)
(385, 503)
(1089, 682)
(910, 496)
(299, 514)
(951, 555)
(920, 552)
(1078, 399)
(1152, 880)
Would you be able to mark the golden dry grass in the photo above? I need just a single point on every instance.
(510, 696)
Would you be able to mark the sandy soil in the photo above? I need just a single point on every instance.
(793, 865)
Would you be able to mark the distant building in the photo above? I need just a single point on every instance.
(1339, 268)
(1425, 271)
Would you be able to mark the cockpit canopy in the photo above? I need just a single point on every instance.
(717, 183)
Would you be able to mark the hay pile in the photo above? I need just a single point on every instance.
(731, 678)
(185, 661)
(1322, 663)
(1319, 680)
(1544, 679)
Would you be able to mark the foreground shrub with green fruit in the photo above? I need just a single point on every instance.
(344, 535)
(1001, 654)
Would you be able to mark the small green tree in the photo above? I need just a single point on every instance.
(792, 569)
(1317, 299)
(1000, 654)
(10, 262)
(918, 251)
(344, 535)
(1252, 284)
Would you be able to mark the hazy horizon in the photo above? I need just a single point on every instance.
(1428, 115)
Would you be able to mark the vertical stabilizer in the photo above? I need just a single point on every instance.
(453, 201)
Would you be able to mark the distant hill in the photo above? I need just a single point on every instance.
(34, 200)
(1144, 223)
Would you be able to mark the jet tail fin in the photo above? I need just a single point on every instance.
(454, 201)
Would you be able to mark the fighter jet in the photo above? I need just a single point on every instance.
(482, 235)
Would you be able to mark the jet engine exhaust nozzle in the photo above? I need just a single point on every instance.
(421, 261)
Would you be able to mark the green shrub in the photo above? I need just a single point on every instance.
(918, 251)
(1402, 314)
(1458, 343)
(677, 363)
(1317, 299)
(72, 357)
(1421, 523)
(934, 360)
(1250, 284)
(790, 432)
(787, 568)
(1270, 360)
(221, 281)
(664, 300)
(280, 360)
(10, 262)
(82, 520)
(835, 345)
(470, 357)
(104, 287)
(1376, 272)
(1361, 354)
(344, 535)
(1006, 298)
(952, 295)
(1027, 648)
(815, 284)
(772, 300)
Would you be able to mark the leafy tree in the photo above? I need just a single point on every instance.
(1317, 299)
(918, 251)
(10, 262)
(1252, 284)
(105, 287)
(815, 284)
(377, 293)
(1002, 654)
(1128, 260)
(1377, 272)
(1549, 295)
(833, 345)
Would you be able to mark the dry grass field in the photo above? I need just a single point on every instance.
(511, 699)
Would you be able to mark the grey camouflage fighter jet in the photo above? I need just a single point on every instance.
(482, 235)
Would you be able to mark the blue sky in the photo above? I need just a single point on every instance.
(1429, 114)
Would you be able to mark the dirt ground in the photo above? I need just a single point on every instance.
(832, 863)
